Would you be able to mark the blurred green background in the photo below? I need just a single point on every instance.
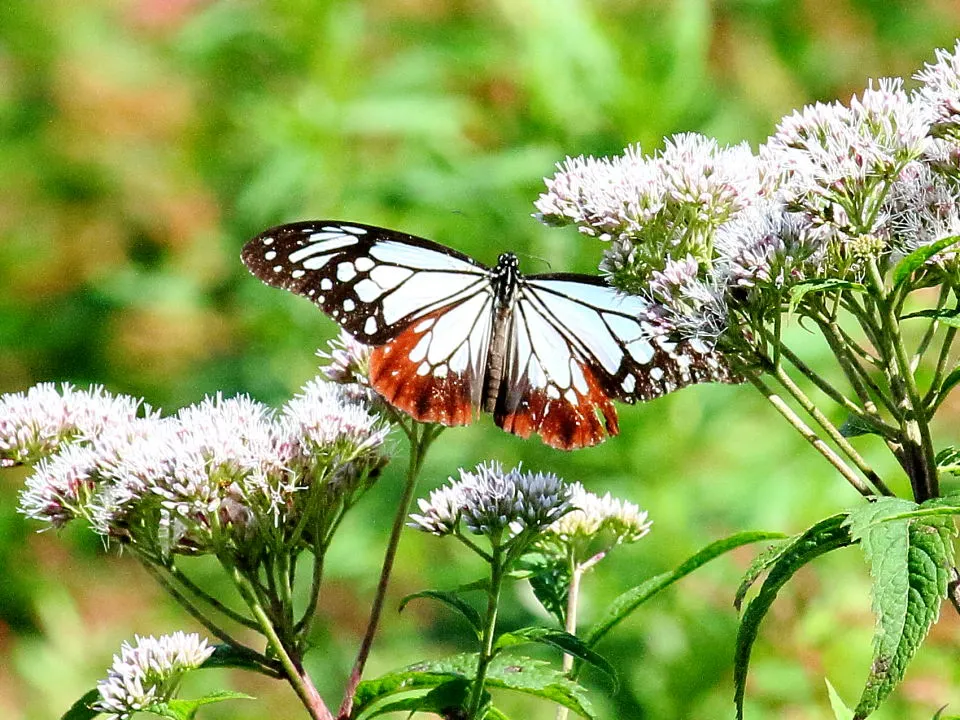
(143, 141)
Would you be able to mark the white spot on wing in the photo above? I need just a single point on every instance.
(370, 326)
(268, 241)
(332, 239)
(326, 284)
(419, 351)
(367, 290)
(423, 325)
(411, 297)
(297, 274)
(270, 255)
(452, 328)
(315, 263)
(388, 276)
(315, 248)
(346, 271)
(550, 348)
(363, 264)
(629, 383)
(349, 305)
(579, 381)
(641, 351)
(417, 257)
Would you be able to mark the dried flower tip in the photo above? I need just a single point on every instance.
(149, 672)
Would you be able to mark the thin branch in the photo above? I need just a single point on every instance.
(870, 418)
(418, 450)
(808, 434)
(210, 600)
(808, 405)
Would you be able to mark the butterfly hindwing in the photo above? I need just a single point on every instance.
(434, 369)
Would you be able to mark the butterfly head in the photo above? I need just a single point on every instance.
(506, 275)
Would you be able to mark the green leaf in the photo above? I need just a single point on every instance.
(826, 535)
(451, 600)
(626, 603)
(798, 291)
(81, 710)
(230, 656)
(909, 561)
(948, 460)
(855, 426)
(570, 644)
(507, 672)
(180, 709)
(759, 565)
(840, 709)
(948, 384)
(906, 267)
(549, 577)
(948, 316)
(443, 700)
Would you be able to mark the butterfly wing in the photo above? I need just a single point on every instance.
(576, 344)
(426, 308)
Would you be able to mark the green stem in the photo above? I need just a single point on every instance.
(933, 396)
(264, 663)
(497, 568)
(870, 418)
(210, 600)
(419, 444)
(808, 405)
(806, 432)
(931, 330)
(289, 661)
(917, 441)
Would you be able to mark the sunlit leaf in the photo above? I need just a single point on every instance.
(451, 600)
(909, 562)
(570, 644)
(826, 535)
(626, 603)
(906, 267)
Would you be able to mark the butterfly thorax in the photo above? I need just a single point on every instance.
(506, 281)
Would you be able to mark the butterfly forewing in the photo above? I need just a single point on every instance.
(374, 282)
(426, 308)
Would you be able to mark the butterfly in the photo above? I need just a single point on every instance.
(544, 354)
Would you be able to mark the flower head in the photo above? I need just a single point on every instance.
(940, 92)
(492, 502)
(149, 672)
(596, 524)
(34, 423)
(834, 160)
(349, 360)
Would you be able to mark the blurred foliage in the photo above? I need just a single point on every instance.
(143, 141)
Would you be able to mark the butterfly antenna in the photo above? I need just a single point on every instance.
(538, 258)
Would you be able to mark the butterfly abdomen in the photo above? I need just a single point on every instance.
(505, 281)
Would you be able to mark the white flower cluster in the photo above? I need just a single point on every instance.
(940, 91)
(348, 360)
(149, 672)
(595, 519)
(705, 231)
(492, 502)
(218, 472)
(34, 423)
